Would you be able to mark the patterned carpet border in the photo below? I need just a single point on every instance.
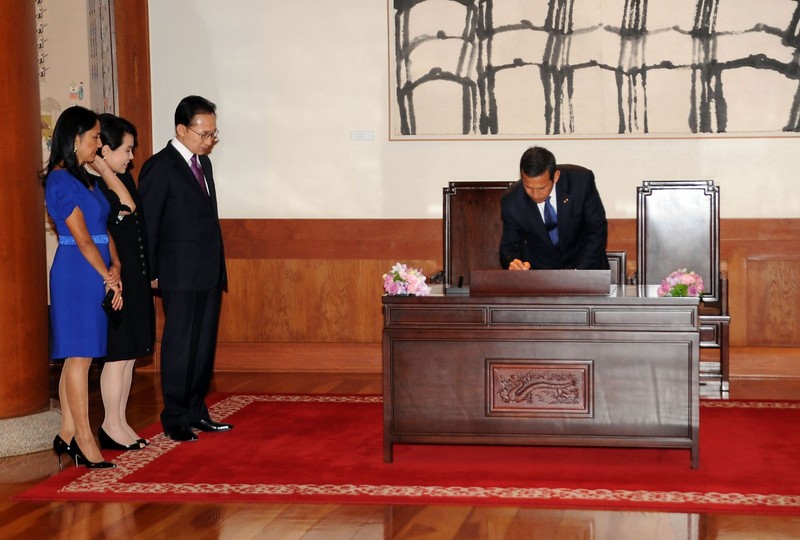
(110, 481)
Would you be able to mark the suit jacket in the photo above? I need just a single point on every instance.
(582, 225)
(183, 231)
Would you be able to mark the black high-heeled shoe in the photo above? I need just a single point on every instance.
(143, 442)
(60, 446)
(80, 458)
(107, 443)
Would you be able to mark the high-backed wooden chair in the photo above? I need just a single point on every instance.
(678, 227)
(472, 231)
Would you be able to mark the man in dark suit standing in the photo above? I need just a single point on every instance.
(187, 264)
(553, 217)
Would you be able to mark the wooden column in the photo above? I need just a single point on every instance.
(133, 73)
(132, 42)
(24, 372)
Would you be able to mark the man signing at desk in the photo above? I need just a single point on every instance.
(553, 217)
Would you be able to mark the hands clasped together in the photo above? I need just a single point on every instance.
(112, 281)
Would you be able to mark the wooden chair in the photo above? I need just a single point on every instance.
(617, 260)
(472, 231)
(678, 227)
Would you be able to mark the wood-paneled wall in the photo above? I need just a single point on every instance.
(763, 266)
(306, 294)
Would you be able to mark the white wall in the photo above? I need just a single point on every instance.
(289, 93)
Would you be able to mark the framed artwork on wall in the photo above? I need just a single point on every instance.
(593, 68)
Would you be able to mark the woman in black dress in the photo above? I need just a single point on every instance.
(134, 334)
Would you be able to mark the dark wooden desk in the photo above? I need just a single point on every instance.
(617, 370)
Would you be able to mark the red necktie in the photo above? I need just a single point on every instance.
(198, 173)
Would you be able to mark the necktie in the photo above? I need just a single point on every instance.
(198, 173)
(550, 221)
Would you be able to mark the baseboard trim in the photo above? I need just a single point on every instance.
(320, 357)
(764, 362)
(291, 357)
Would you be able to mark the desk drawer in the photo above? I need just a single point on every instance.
(405, 316)
(673, 318)
(540, 317)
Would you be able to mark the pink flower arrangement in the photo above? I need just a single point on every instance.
(404, 281)
(681, 283)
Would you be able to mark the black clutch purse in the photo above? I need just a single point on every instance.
(114, 315)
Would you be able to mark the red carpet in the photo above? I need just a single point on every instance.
(301, 448)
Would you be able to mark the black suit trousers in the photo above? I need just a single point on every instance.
(187, 354)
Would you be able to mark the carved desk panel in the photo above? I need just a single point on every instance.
(617, 370)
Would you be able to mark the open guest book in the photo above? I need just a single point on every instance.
(539, 282)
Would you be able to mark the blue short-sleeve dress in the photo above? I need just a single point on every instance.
(79, 324)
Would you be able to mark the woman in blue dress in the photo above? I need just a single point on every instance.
(85, 267)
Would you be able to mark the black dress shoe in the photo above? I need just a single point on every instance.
(181, 434)
(60, 446)
(107, 443)
(81, 459)
(211, 425)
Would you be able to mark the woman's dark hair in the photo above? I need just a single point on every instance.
(536, 160)
(73, 122)
(190, 106)
(113, 129)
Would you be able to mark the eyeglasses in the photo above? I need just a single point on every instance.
(206, 136)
